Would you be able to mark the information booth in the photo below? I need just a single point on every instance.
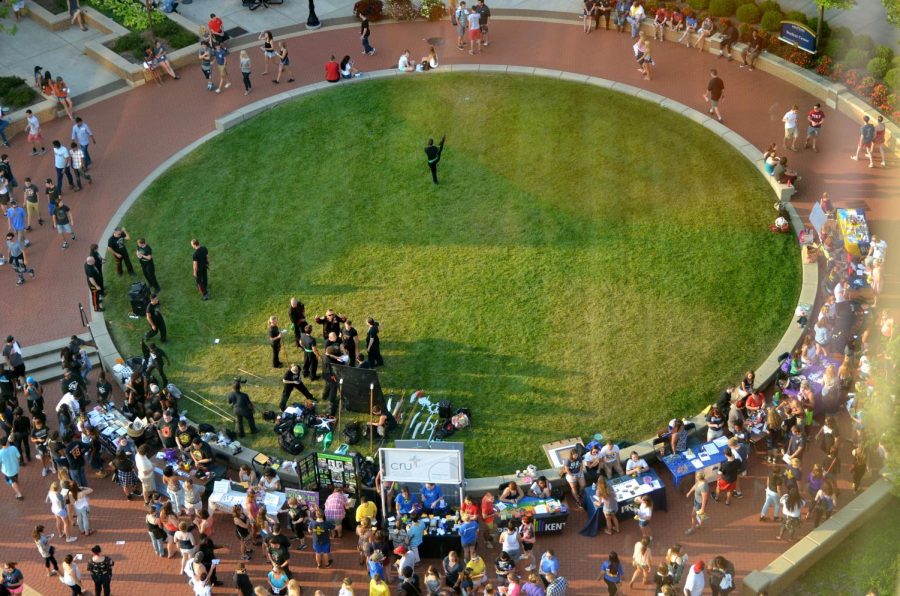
(319, 472)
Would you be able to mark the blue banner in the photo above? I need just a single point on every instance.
(798, 35)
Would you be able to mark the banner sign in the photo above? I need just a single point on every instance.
(311, 498)
(798, 35)
(439, 466)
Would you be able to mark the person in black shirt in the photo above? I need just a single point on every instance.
(21, 429)
(116, 245)
(243, 409)
(100, 568)
(310, 353)
(349, 341)
(201, 268)
(75, 452)
(434, 156)
(98, 261)
(155, 359)
(73, 383)
(373, 343)
(167, 429)
(155, 320)
(278, 550)
(95, 282)
(361, 362)
(331, 323)
(242, 581)
(275, 336)
(731, 36)
(145, 257)
(297, 316)
(292, 380)
(728, 474)
(201, 453)
(185, 435)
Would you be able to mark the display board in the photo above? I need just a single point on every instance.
(319, 471)
(356, 385)
(309, 497)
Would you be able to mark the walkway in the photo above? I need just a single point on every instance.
(138, 130)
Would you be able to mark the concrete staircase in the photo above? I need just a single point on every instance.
(42, 360)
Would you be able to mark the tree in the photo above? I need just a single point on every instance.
(893, 11)
(832, 5)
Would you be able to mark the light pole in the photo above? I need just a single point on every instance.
(313, 21)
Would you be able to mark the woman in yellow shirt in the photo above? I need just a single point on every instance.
(377, 587)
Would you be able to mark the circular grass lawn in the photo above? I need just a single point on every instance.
(589, 263)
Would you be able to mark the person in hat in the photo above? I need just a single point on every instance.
(696, 580)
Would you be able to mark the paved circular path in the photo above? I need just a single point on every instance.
(138, 130)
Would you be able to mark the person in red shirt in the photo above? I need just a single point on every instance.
(332, 71)
(469, 508)
(815, 117)
(487, 514)
(659, 24)
(216, 28)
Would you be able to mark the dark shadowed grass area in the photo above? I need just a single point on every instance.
(589, 262)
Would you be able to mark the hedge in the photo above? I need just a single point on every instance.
(863, 42)
(768, 5)
(771, 21)
(15, 93)
(892, 78)
(721, 8)
(878, 67)
(836, 49)
(884, 52)
(856, 58)
(698, 5)
(749, 13)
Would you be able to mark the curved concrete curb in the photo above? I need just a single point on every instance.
(765, 371)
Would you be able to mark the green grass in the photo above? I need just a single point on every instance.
(868, 558)
(589, 263)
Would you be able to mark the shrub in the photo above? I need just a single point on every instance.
(721, 8)
(863, 42)
(836, 48)
(373, 8)
(15, 93)
(749, 13)
(7, 83)
(844, 33)
(878, 67)
(892, 78)
(739, 3)
(432, 10)
(796, 15)
(884, 52)
(128, 13)
(698, 5)
(771, 21)
(826, 28)
(856, 58)
(745, 29)
(824, 66)
(402, 10)
(768, 5)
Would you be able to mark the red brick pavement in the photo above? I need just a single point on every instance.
(140, 129)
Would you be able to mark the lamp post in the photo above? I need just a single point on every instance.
(313, 21)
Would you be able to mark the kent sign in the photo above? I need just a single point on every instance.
(798, 35)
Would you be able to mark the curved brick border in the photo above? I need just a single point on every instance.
(766, 371)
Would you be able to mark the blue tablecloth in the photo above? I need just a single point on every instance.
(648, 482)
(686, 463)
(814, 373)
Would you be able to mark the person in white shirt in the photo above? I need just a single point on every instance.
(62, 160)
(403, 64)
(696, 580)
(69, 400)
(636, 464)
(877, 249)
(474, 19)
(145, 471)
(33, 128)
(610, 456)
(791, 132)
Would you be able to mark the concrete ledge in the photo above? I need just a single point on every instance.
(477, 486)
(779, 575)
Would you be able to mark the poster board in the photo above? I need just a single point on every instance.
(308, 497)
(337, 470)
(558, 451)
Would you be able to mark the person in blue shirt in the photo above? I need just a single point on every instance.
(416, 533)
(431, 494)
(375, 564)
(468, 534)
(9, 465)
(549, 565)
(403, 501)
(611, 572)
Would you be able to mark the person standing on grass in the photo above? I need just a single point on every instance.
(433, 154)
(78, 165)
(243, 409)
(866, 139)
(63, 221)
(95, 283)
(790, 128)
(364, 32)
(9, 466)
(33, 130)
(275, 335)
(485, 14)
(144, 256)
(700, 491)
(284, 64)
(221, 56)
(373, 343)
(297, 317)
(245, 66)
(715, 90)
(155, 319)
(311, 354)
(84, 136)
(462, 25)
(62, 161)
(116, 245)
(201, 268)
(815, 118)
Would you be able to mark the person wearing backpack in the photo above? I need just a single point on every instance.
(459, 19)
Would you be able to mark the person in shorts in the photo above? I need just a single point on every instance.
(487, 515)
(815, 118)
(62, 219)
(715, 89)
(474, 31)
(321, 539)
(462, 23)
(700, 491)
(728, 473)
(485, 13)
(866, 140)
(33, 130)
(791, 130)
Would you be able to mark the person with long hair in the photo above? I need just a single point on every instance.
(700, 492)
(275, 336)
(642, 560)
(676, 561)
(169, 521)
(71, 575)
(125, 476)
(644, 513)
(156, 531)
(527, 538)
(606, 501)
(245, 67)
(792, 504)
(45, 549)
(243, 531)
(774, 490)
(348, 71)
(364, 534)
(611, 573)
(57, 500)
(284, 64)
(268, 48)
(824, 503)
(859, 467)
(774, 435)
(78, 496)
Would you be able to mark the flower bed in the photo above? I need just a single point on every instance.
(16, 93)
